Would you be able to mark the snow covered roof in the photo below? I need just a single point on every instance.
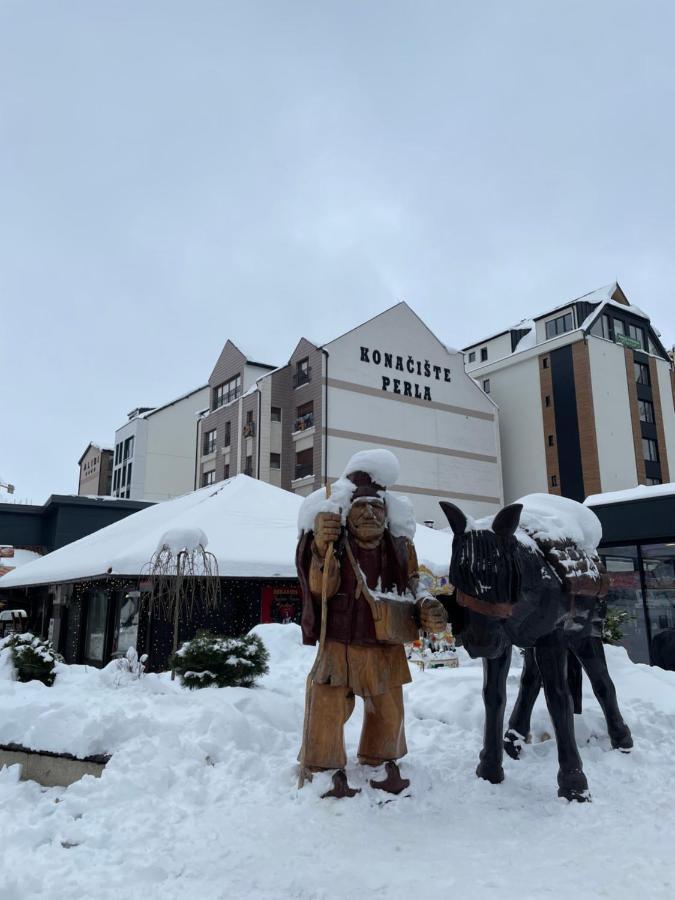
(251, 528)
(641, 492)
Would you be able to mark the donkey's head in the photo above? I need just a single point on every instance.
(486, 562)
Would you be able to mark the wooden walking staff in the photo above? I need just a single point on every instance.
(304, 774)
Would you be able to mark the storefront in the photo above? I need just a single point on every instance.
(638, 549)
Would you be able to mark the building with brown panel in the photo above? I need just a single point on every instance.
(96, 465)
(389, 382)
(585, 397)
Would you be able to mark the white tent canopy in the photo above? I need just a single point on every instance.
(251, 528)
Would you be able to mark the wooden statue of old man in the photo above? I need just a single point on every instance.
(357, 566)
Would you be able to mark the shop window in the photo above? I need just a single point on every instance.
(125, 631)
(559, 325)
(658, 561)
(625, 595)
(94, 638)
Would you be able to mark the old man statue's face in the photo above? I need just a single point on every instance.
(366, 519)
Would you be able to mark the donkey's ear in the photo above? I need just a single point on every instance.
(507, 519)
(455, 516)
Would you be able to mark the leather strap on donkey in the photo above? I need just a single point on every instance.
(494, 610)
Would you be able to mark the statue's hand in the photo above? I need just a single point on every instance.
(326, 530)
(433, 616)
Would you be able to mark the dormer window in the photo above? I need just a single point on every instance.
(559, 325)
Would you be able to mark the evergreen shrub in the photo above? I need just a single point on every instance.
(209, 660)
(612, 626)
(34, 659)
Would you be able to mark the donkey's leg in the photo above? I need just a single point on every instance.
(528, 691)
(494, 698)
(551, 655)
(591, 653)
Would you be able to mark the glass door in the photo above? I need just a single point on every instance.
(625, 594)
(94, 638)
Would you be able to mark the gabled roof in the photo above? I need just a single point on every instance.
(96, 447)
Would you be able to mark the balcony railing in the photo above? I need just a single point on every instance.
(302, 470)
(227, 397)
(249, 429)
(302, 376)
(302, 423)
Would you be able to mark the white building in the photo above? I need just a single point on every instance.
(585, 392)
(155, 450)
(389, 382)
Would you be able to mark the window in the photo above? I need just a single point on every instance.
(124, 476)
(129, 477)
(619, 327)
(554, 481)
(227, 392)
(650, 450)
(547, 400)
(550, 440)
(304, 416)
(209, 442)
(275, 460)
(637, 333)
(248, 468)
(249, 425)
(646, 408)
(249, 416)
(129, 447)
(653, 481)
(303, 372)
(118, 453)
(544, 363)
(227, 470)
(641, 373)
(304, 463)
(208, 478)
(559, 325)
(275, 414)
(472, 356)
(483, 354)
(228, 434)
(116, 480)
(486, 385)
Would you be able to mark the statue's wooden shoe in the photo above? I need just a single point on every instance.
(341, 786)
(393, 783)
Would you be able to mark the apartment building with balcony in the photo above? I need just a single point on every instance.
(155, 450)
(586, 398)
(389, 382)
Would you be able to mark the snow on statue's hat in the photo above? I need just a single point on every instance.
(372, 471)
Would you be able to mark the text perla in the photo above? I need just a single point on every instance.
(405, 364)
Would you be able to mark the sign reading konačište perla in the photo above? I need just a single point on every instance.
(408, 365)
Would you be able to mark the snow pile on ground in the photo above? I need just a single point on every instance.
(200, 798)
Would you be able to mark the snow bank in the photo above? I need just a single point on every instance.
(200, 797)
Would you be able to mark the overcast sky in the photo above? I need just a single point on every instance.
(176, 174)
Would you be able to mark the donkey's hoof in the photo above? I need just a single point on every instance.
(490, 772)
(622, 740)
(513, 743)
(573, 786)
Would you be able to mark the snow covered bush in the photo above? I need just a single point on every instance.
(612, 626)
(33, 658)
(222, 661)
(125, 669)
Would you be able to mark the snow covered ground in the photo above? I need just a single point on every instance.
(199, 799)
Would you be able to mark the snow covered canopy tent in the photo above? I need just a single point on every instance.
(96, 585)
